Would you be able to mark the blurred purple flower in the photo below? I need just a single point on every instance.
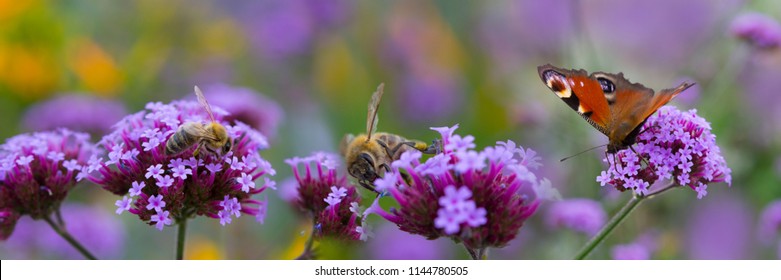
(281, 29)
(327, 196)
(631, 251)
(719, 228)
(778, 252)
(677, 145)
(36, 172)
(288, 190)
(198, 184)
(692, 96)
(640, 249)
(759, 80)
(80, 112)
(247, 106)
(330, 13)
(278, 28)
(496, 180)
(94, 227)
(757, 29)
(394, 244)
(429, 96)
(770, 222)
(580, 214)
(657, 34)
(515, 29)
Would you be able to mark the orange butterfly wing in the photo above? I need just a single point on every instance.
(580, 93)
(609, 102)
(634, 103)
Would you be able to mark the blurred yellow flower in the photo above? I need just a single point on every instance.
(28, 72)
(336, 71)
(202, 249)
(95, 68)
(11, 8)
(296, 246)
(422, 28)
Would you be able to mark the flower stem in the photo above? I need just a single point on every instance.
(307, 253)
(64, 233)
(479, 254)
(608, 228)
(180, 239)
(616, 220)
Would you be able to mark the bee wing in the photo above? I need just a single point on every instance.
(204, 103)
(345, 144)
(199, 131)
(374, 105)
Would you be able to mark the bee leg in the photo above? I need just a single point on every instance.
(385, 165)
(392, 152)
(434, 148)
(198, 149)
(385, 146)
(365, 185)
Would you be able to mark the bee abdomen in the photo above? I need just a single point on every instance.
(178, 142)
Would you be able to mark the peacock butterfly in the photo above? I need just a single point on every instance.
(609, 102)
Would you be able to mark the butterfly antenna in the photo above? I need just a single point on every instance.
(580, 153)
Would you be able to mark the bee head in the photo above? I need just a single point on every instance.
(228, 146)
(363, 168)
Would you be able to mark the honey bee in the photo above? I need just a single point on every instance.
(213, 136)
(367, 154)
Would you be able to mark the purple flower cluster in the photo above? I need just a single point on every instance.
(479, 198)
(676, 145)
(36, 172)
(582, 215)
(163, 189)
(327, 197)
(757, 29)
(247, 106)
(79, 112)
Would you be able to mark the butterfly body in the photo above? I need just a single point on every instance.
(609, 102)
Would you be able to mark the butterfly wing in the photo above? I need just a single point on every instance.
(374, 105)
(580, 92)
(634, 103)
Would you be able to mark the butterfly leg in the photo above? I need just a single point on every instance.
(640, 156)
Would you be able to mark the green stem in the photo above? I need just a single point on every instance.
(307, 253)
(479, 254)
(180, 239)
(608, 228)
(616, 220)
(64, 233)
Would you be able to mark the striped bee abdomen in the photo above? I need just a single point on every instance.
(180, 141)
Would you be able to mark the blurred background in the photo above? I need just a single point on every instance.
(303, 70)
